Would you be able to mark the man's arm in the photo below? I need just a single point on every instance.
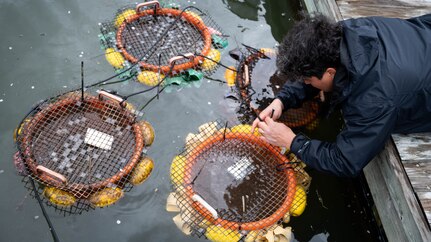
(293, 94)
(363, 137)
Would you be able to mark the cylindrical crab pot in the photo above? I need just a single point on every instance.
(86, 147)
(258, 83)
(163, 43)
(231, 187)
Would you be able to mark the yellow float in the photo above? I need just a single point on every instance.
(244, 128)
(196, 17)
(178, 169)
(230, 76)
(114, 58)
(59, 197)
(18, 130)
(106, 196)
(142, 171)
(215, 57)
(148, 132)
(150, 78)
(299, 202)
(123, 16)
(220, 234)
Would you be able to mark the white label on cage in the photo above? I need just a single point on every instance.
(241, 168)
(98, 139)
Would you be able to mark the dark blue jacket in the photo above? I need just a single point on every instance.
(383, 86)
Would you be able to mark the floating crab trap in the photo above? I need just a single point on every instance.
(157, 44)
(84, 150)
(229, 185)
(258, 83)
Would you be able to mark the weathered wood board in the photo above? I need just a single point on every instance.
(387, 8)
(413, 147)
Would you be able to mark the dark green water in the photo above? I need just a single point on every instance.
(42, 44)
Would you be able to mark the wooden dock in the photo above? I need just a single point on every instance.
(400, 176)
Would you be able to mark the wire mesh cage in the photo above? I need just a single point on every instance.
(258, 83)
(156, 43)
(229, 185)
(84, 150)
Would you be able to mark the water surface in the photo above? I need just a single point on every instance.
(42, 45)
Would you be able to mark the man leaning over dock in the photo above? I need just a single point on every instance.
(376, 69)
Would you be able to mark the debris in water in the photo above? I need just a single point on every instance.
(36, 217)
(1, 100)
(118, 221)
(11, 84)
(320, 200)
(283, 14)
(10, 47)
(32, 87)
(155, 190)
(68, 12)
(1, 171)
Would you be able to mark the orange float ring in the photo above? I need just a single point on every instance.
(256, 225)
(79, 190)
(166, 11)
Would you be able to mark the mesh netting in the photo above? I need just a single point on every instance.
(230, 185)
(259, 83)
(83, 149)
(162, 44)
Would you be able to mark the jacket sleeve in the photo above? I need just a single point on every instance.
(293, 93)
(363, 137)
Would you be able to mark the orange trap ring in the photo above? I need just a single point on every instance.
(199, 24)
(54, 111)
(249, 226)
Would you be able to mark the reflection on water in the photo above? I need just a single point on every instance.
(280, 15)
(245, 9)
(42, 45)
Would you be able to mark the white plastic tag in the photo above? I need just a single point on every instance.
(241, 168)
(99, 139)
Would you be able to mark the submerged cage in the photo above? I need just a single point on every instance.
(258, 83)
(83, 150)
(153, 43)
(229, 185)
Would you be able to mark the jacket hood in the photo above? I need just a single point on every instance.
(358, 54)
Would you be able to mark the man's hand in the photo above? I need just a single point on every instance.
(276, 105)
(276, 133)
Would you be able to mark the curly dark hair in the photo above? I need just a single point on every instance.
(310, 47)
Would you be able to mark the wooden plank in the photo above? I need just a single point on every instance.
(384, 203)
(425, 198)
(413, 146)
(387, 8)
(327, 7)
(419, 174)
(399, 210)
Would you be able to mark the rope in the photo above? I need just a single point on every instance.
(51, 228)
